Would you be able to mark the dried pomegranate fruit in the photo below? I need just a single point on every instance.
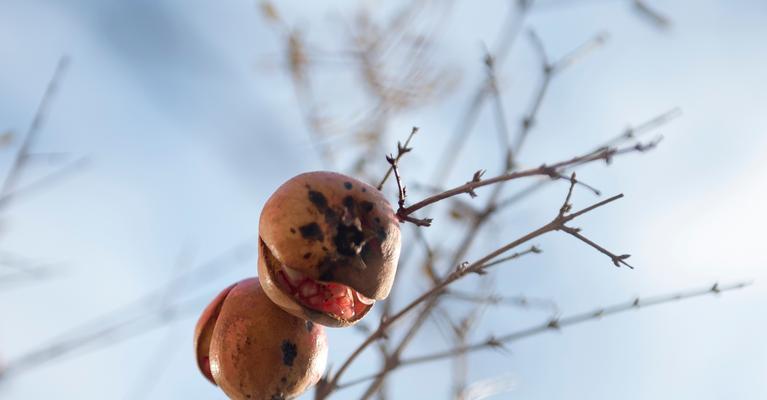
(329, 247)
(203, 332)
(254, 350)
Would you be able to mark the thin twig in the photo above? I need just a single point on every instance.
(549, 70)
(152, 374)
(104, 331)
(515, 301)
(402, 195)
(653, 15)
(544, 170)
(22, 155)
(616, 259)
(628, 134)
(401, 151)
(553, 324)
(499, 113)
(44, 181)
(580, 52)
(512, 26)
(532, 250)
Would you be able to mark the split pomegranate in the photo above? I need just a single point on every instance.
(329, 247)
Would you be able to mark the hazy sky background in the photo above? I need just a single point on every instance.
(188, 124)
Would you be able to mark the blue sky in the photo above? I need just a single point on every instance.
(188, 124)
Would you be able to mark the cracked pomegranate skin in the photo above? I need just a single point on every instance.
(328, 228)
(254, 350)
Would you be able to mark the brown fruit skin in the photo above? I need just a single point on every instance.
(203, 332)
(331, 228)
(258, 351)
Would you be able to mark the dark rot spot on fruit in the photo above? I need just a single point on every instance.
(349, 240)
(312, 231)
(358, 251)
(326, 275)
(289, 352)
(349, 203)
(284, 379)
(293, 230)
(309, 326)
(318, 199)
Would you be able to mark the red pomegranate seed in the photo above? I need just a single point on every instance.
(308, 289)
(337, 290)
(329, 297)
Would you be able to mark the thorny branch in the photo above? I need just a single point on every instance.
(402, 149)
(478, 267)
(552, 170)
(490, 87)
(513, 23)
(402, 194)
(552, 324)
(603, 153)
(616, 259)
(491, 205)
(630, 133)
(549, 71)
(575, 232)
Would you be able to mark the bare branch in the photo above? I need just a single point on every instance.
(132, 319)
(566, 204)
(499, 113)
(512, 26)
(532, 250)
(556, 324)
(616, 259)
(654, 16)
(401, 151)
(463, 269)
(44, 181)
(580, 52)
(513, 301)
(22, 155)
(544, 170)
